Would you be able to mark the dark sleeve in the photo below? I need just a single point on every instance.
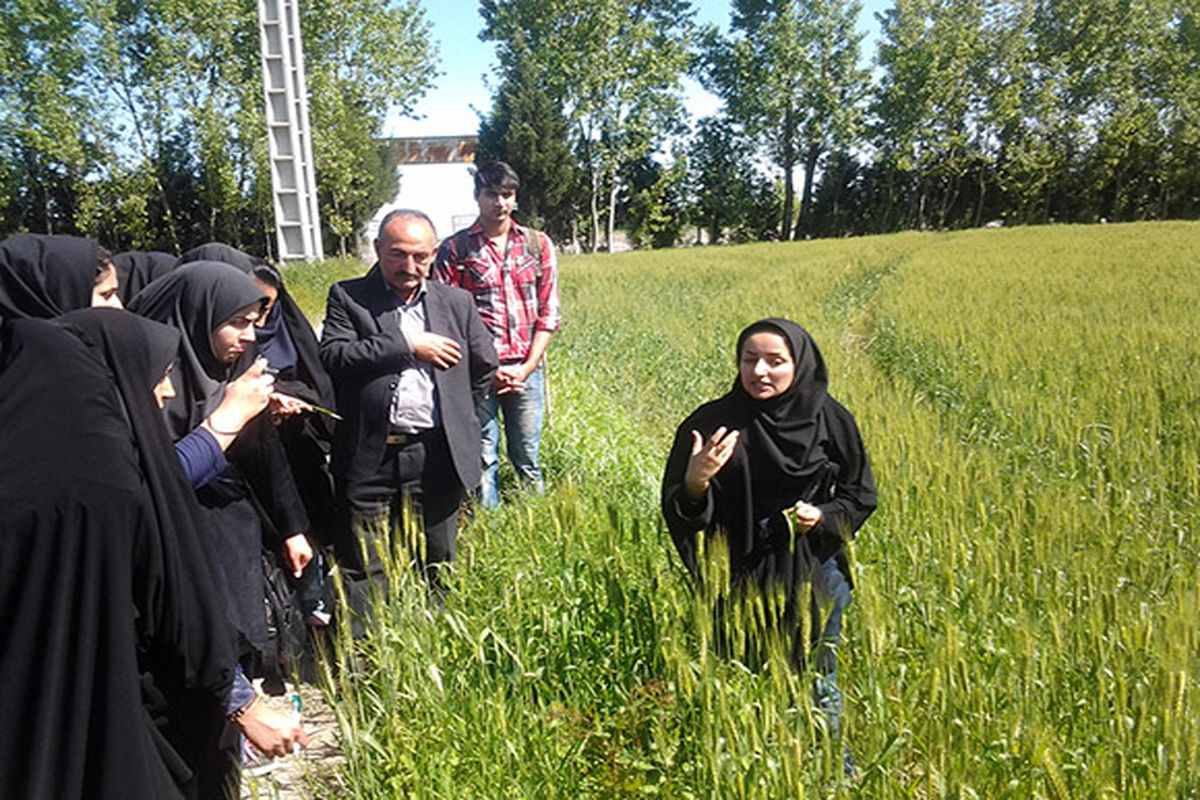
(345, 353)
(297, 388)
(685, 516)
(854, 496)
(260, 456)
(201, 457)
(482, 352)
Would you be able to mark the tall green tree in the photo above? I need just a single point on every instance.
(927, 56)
(47, 115)
(363, 58)
(722, 178)
(616, 66)
(172, 95)
(789, 74)
(526, 129)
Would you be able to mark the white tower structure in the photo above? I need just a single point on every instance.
(294, 186)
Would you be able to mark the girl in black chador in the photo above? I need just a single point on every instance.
(46, 276)
(776, 469)
(116, 650)
(253, 503)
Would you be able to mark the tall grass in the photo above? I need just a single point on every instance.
(1025, 617)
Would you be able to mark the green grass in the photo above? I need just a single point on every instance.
(308, 282)
(1025, 620)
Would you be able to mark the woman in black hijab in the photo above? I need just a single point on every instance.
(104, 579)
(46, 276)
(135, 269)
(254, 502)
(776, 469)
(285, 338)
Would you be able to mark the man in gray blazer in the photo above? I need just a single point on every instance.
(409, 359)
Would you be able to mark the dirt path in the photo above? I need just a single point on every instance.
(292, 777)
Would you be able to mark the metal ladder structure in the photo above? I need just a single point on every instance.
(289, 141)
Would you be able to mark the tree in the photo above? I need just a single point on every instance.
(721, 178)
(363, 58)
(47, 131)
(614, 65)
(789, 75)
(142, 120)
(652, 203)
(527, 130)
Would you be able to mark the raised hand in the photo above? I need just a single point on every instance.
(707, 458)
(244, 399)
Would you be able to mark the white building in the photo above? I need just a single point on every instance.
(435, 177)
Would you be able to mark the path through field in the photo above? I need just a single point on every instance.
(293, 777)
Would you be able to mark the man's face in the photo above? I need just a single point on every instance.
(495, 205)
(405, 249)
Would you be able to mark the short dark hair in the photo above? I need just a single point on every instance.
(104, 262)
(405, 213)
(496, 175)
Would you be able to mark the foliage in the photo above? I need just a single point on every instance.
(527, 130)
(141, 121)
(789, 74)
(615, 68)
(725, 185)
(365, 58)
(653, 203)
(1026, 594)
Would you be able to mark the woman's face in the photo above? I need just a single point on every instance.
(230, 339)
(164, 390)
(272, 295)
(104, 291)
(766, 365)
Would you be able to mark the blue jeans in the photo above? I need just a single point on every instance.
(522, 434)
(830, 596)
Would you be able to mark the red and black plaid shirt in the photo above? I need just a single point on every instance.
(515, 294)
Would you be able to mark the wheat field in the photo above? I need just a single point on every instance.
(1028, 593)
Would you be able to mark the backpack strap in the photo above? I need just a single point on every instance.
(462, 243)
(533, 244)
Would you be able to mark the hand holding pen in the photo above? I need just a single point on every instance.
(285, 405)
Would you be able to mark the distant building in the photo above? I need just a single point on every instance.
(435, 177)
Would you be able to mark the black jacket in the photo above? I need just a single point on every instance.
(363, 351)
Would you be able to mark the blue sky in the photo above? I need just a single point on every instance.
(447, 108)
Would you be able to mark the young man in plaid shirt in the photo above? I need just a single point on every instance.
(511, 271)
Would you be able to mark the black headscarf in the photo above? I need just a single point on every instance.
(257, 486)
(101, 575)
(45, 276)
(188, 643)
(136, 269)
(783, 432)
(286, 339)
(799, 445)
(196, 299)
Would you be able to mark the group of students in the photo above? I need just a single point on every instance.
(150, 456)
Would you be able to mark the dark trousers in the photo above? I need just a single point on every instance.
(416, 476)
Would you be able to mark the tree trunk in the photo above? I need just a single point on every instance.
(612, 210)
(789, 166)
(810, 167)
